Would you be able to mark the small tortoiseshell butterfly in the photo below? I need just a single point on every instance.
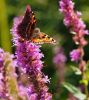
(28, 31)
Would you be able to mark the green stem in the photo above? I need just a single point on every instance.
(4, 29)
(85, 86)
(86, 91)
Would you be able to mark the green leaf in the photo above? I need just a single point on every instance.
(75, 91)
(76, 70)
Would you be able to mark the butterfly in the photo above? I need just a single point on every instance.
(27, 29)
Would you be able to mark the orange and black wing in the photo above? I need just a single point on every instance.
(26, 27)
(42, 38)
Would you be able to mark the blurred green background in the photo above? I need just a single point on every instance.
(50, 21)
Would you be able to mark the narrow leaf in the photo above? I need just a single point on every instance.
(75, 91)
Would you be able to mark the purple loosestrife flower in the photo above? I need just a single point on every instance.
(75, 55)
(28, 55)
(29, 60)
(1, 58)
(1, 73)
(27, 92)
(4, 63)
(59, 56)
(59, 60)
(73, 20)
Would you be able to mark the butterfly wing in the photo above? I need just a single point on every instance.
(26, 27)
(32, 23)
(42, 38)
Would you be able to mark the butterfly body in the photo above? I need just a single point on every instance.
(27, 30)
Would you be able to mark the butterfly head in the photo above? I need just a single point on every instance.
(36, 31)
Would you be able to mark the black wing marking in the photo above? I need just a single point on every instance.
(26, 27)
(31, 25)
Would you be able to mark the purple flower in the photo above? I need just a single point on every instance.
(75, 55)
(59, 56)
(1, 62)
(33, 97)
(2, 93)
(1, 58)
(16, 22)
(29, 61)
(27, 92)
(5, 61)
(29, 56)
(72, 19)
(59, 61)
